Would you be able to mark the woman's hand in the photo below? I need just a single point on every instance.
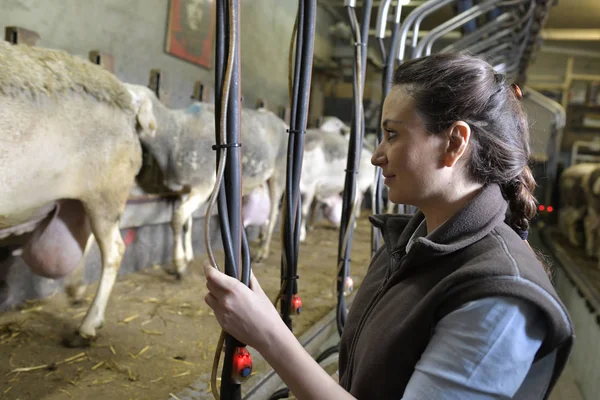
(247, 314)
(244, 312)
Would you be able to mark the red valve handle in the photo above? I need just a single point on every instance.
(242, 365)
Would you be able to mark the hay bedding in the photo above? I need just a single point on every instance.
(159, 336)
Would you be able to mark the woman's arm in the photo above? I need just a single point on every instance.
(483, 351)
(248, 315)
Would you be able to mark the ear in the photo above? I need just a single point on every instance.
(458, 136)
(142, 106)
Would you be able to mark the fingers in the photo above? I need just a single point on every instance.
(218, 282)
(211, 300)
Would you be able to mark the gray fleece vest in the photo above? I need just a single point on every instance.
(471, 256)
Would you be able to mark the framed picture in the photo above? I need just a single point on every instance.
(190, 30)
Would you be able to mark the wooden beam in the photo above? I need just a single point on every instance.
(18, 35)
(155, 81)
(105, 60)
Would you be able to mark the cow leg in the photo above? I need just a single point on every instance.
(308, 198)
(189, 247)
(357, 210)
(180, 217)
(275, 192)
(74, 284)
(6, 262)
(105, 227)
(311, 215)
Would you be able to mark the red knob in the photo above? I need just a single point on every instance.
(296, 305)
(242, 365)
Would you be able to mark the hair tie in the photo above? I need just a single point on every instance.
(517, 91)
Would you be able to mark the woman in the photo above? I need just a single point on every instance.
(455, 305)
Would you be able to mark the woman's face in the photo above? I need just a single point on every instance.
(410, 158)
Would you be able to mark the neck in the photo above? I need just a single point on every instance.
(441, 208)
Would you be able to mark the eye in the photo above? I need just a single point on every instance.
(389, 134)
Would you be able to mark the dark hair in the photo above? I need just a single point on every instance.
(455, 87)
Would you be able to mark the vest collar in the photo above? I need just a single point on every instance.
(474, 221)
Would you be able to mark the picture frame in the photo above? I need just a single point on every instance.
(190, 31)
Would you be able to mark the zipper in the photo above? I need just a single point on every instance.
(378, 294)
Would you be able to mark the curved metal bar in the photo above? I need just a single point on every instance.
(427, 42)
(502, 21)
(485, 44)
(416, 17)
(382, 13)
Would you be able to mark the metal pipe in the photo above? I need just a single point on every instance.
(416, 17)
(461, 7)
(382, 14)
(352, 166)
(500, 22)
(386, 82)
(427, 42)
(481, 45)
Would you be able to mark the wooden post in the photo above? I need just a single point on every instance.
(261, 103)
(17, 35)
(284, 113)
(105, 60)
(202, 92)
(156, 82)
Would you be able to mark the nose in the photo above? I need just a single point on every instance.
(379, 158)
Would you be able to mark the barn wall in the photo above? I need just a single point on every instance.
(134, 32)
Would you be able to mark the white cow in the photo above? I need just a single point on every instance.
(70, 153)
(324, 170)
(573, 206)
(182, 150)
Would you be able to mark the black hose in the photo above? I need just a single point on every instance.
(328, 352)
(221, 46)
(288, 203)
(291, 216)
(298, 121)
(230, 198)
(386, 84)
(280, 394)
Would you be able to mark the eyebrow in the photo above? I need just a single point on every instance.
(389, 121)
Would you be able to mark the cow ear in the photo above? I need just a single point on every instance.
(145, 117)
(142, 106)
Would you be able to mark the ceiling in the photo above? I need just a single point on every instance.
(565, 15)
(572, 26)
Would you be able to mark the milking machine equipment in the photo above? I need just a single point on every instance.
(291, 207)
(228, 189)
(304, 33)
(350, 195)
(387, 56)
(357, 131)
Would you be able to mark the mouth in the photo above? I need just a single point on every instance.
(388, 179)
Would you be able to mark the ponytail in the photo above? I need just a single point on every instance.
(521, 202)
